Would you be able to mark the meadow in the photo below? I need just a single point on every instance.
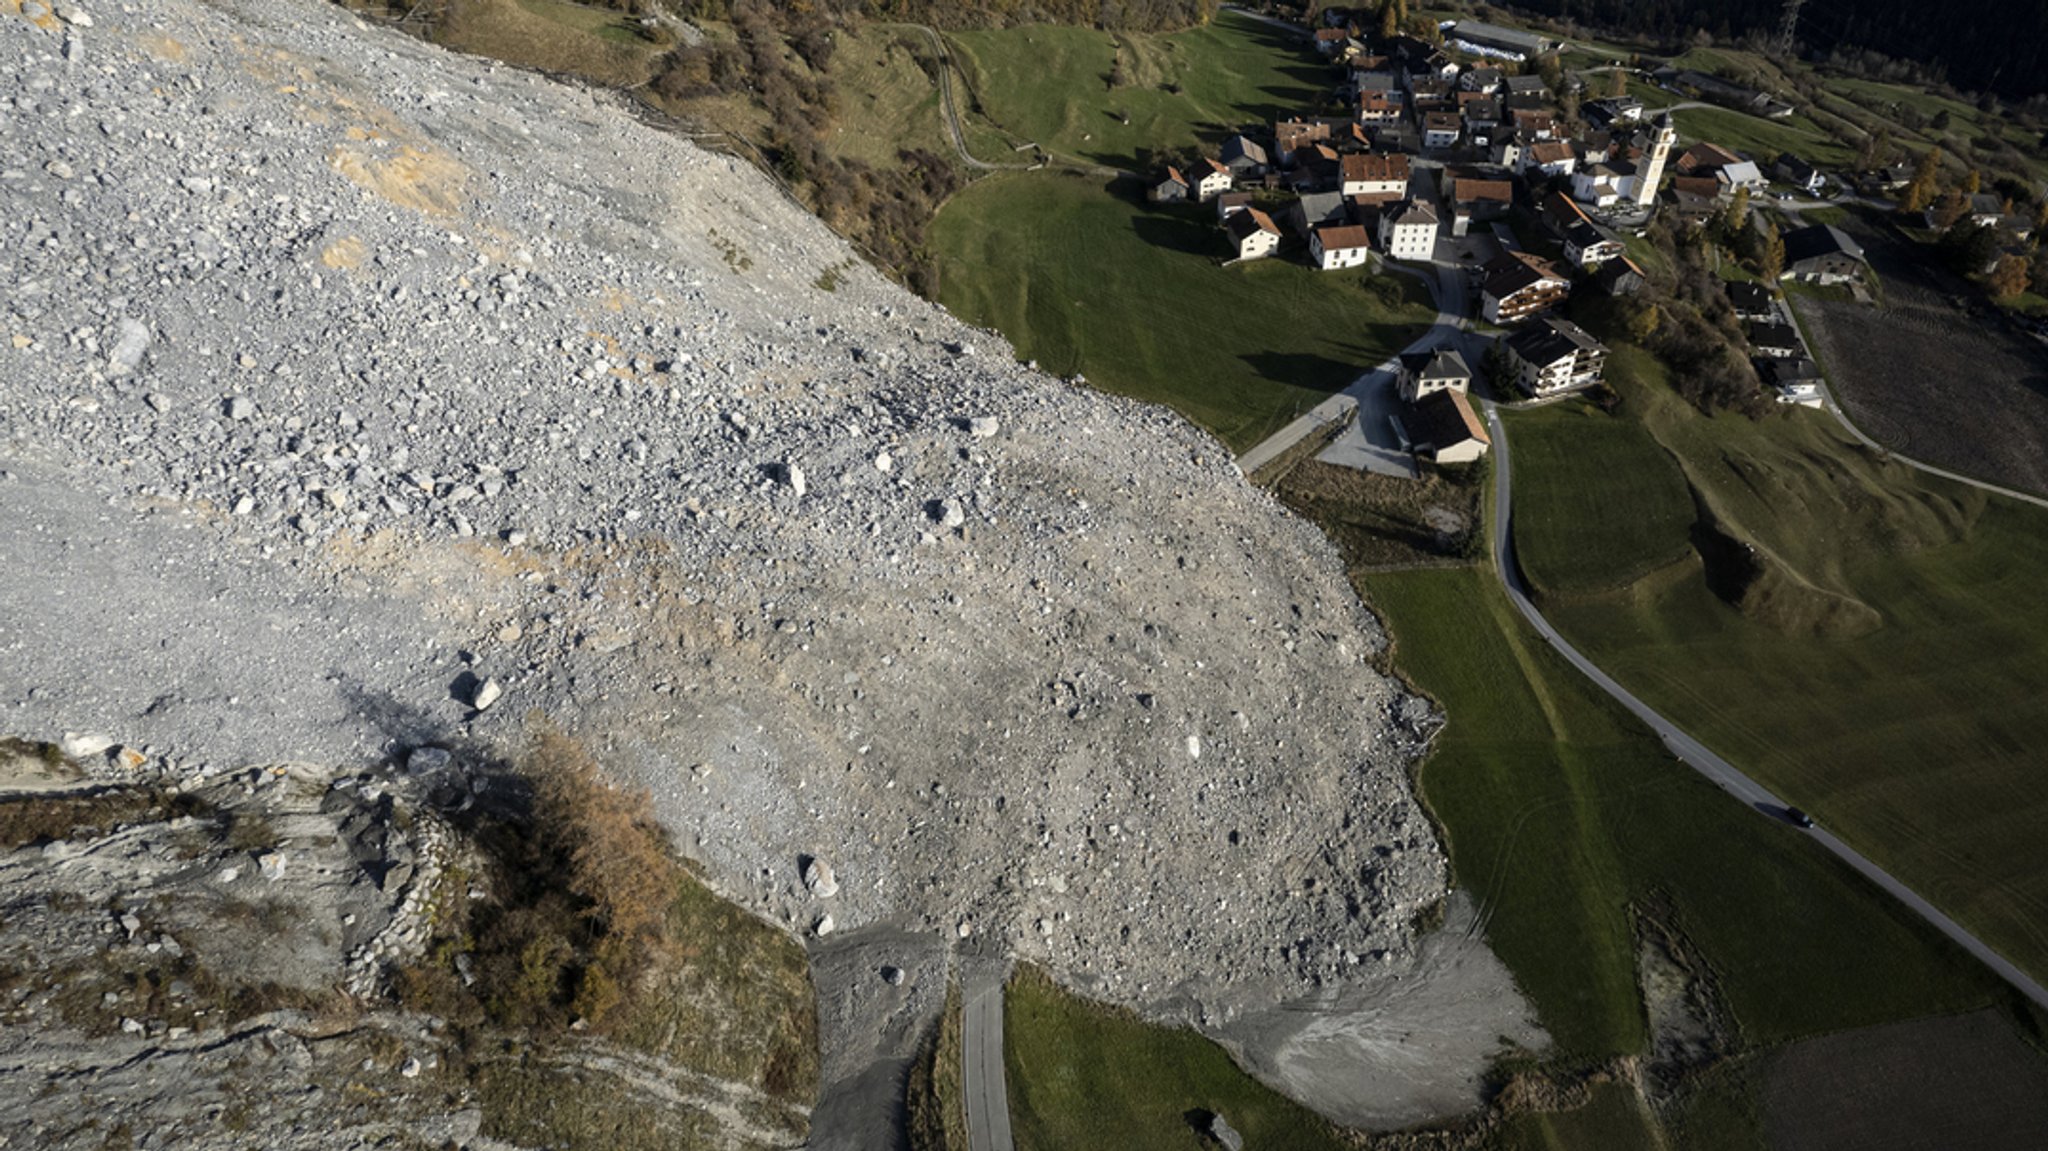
(1110, 98)
(1868, 642)
(1090, 280)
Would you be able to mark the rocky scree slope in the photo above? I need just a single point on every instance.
(347, 385)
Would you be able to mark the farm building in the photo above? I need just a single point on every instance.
(1443, 426)
(1822, 254)
(1510, 42)
(1172, 188)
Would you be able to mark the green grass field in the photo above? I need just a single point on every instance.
(1605, 537)
(1564, 816)
(1082, 1075)
(1131, 296)
(1049, 84)
(1881, 664)
(1761, 139)
(887, 103)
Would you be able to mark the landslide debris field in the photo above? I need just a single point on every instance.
(355, 396)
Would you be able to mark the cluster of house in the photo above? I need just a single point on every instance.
(1818, 254)
(1350, 192)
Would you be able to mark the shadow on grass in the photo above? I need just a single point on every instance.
(1192, 230)
(1305, 370)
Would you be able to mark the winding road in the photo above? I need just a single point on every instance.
(1451, 324)
(1695, 754)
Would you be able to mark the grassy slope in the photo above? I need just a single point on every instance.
(1917, 741)
(886, 102)
(1762, 139)
(1047, 84)
(1081, 1075)
(1605, 536)
(1561, 813)
(597, 44)
(1131, 296)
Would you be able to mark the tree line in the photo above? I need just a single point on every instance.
(1979, 45)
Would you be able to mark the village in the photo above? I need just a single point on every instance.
(1508, 185)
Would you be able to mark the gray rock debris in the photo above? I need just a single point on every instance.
(461, 348)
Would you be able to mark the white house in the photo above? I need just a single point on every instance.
(1741, 174)
(1589, 246)
(1211, 179)
(1598, 185)
(1550, 157)
(1334, 246)
(1252, 233)
(1408, 231)
(1441, 130)
(1554, 356)
(1421, 373)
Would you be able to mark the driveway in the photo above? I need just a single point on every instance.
(1368, 442)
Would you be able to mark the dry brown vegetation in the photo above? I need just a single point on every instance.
(581, 882)
(1384, 522)
(938, 1118)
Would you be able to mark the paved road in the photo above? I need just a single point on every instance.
(981, 1054)
(1696, 755)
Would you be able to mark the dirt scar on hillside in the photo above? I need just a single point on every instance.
(1398, 1051)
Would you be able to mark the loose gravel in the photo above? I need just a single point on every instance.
(343, 377)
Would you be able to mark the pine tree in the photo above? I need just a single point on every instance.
(1390, 19)
(1973, 182)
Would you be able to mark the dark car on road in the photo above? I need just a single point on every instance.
(1798, 818)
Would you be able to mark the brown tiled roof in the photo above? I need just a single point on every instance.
(1704, 157)
(1445, 120)
(1442, 419)
(1343, 236)
(1173, 174)
(1564, 207)
(1550, 151)
(1512, 272)
(1289, 134)
(1469, 191)
(1366, 166)
(1697, 185)
(1215, 169)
